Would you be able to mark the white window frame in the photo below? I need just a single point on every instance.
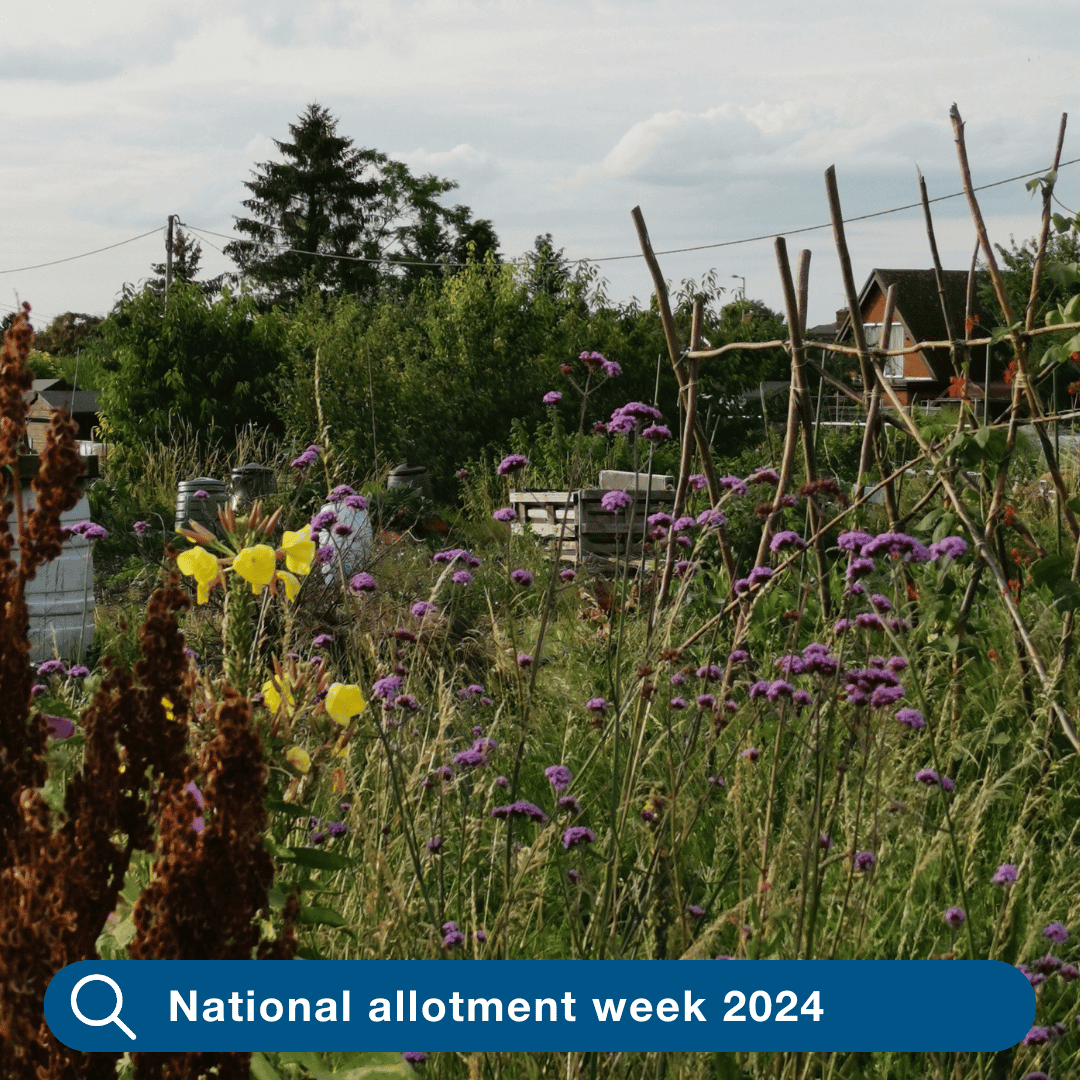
(893, 366)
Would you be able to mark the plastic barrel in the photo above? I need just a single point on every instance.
(414, 476)
(204, 511)
(248, 483)
(352, 550)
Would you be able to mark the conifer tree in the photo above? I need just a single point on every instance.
(343, 219)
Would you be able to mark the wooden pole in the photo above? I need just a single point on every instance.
(1022, 384)
(857, 330)
(674, 352)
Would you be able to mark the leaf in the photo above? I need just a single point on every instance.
(315, 859)
(1072, 309)
(261, 1069)
(1001, 739)
(1051, 569)
(1067, 595)
(1000, 333)
(1074, 504)
(1062, 223)
(307, 953)
(321, 916)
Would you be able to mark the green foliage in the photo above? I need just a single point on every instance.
(332, 215)
(210, 364)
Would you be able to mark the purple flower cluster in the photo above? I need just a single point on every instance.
(506, 513)
(899, 544)
(450, 554)
(614, 502)
(307, 458)
(521, 808)
(577, 835)
(559, 776)
(878, 685)
(764, 476)
(552, 397)
(786, 538)
(512, 463)
(362, 582)
(521, 577)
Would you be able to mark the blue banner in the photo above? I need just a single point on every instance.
(155, 1005)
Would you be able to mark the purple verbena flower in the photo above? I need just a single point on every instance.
(615, 502)
(363, 582)
(1004, 874)
(552, 397)
(865, 860)
(577, 835)
(521, 577)
(461, 577)
(955, 917)
(657, 433)
(422, 608)
(952, 547)
(733, 483)
(505, 513)
(786, 538)
(512, 463)
(521, 808)
(1057, 933)
(559, 776)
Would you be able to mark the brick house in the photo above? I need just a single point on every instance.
(922, 376)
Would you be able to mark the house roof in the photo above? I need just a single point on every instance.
(77, 401)
(918, 307)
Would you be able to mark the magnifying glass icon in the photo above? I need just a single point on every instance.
(113, 1017)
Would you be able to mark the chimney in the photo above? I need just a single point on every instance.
(841, 315)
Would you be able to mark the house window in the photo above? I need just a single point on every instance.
(893, 366)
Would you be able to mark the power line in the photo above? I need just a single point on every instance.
(598, 259)
(680, 250)
(83, 255)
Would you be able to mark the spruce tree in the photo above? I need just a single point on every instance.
(342, 219)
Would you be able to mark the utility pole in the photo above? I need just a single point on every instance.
(168, 260)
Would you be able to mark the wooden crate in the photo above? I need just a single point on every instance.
(549, 515)
(600, 531)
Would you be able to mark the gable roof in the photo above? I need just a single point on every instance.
(918, 308)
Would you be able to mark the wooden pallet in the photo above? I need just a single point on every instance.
(589, 532)
(601, 533)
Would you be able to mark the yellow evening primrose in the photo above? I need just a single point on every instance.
(256, 565)
(198, 563)
(299, 758)
(291, 583)
(299, 550)
(344, 701)
(169, 714)
(272, 695)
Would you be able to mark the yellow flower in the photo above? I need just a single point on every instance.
(344, 701)
(291, 583)
(299, 550)
(256, 565)
(198, 563)
(272, 695)
(169, 714)
(299, 759)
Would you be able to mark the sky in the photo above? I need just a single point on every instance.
(717, 118)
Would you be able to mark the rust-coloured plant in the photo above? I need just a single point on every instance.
(61, 874)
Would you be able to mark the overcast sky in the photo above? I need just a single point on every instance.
(717, 118)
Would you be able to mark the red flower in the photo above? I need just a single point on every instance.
(958, 387)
